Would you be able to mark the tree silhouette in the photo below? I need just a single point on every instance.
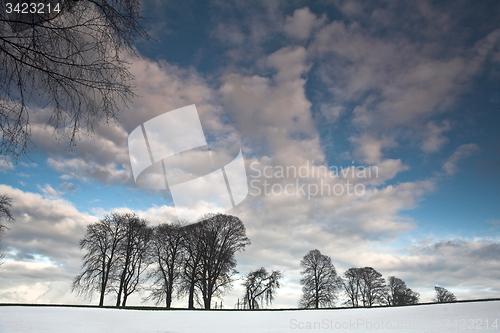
(167, 253)
(191, 267)
(5, 214)
(398, 293)
(100, 263)
(363, 283)
(372, 286)
(220, 238)
(320, 281)
(260, 286)
(352, 285)
(132, 256)
(443, 295)
(66, 61)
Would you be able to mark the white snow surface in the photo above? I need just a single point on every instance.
(451, 317)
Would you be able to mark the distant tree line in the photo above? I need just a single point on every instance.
(361, 286)
(125, 255)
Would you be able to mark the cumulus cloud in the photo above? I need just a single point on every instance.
(369, 148)
(433, 136)
(103, 155)
(42, 244)
(301, 23)
(397, 81)
(436, 258)
(44, 225)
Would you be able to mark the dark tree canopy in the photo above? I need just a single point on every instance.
(364, 285)
(443, 295)
(67, 62)
(398, 293)
(320, 281)
(260, 286)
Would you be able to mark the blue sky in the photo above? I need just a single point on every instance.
(412, 89)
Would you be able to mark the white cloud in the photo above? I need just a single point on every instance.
(397, 84)
(433, 136)
(450, 166)
(274, 112)
(49, 192)
(103, 155)
(302, 23)
(42, 244)
(87, 170)
(29, 165)
(369, 149)
(6, 164)
(70, 187)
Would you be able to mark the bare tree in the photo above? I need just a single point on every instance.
(260, 286)
(66, 60)
(372, 286)
(132, 256)
(352, 285)
(167, 254)
(363, 283)
(193, 253)
(398, 293)
(221, 237)
(102, 241)
(320, 281)
(5, 214)
(443, 295)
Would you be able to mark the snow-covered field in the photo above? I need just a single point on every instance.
(455, 317)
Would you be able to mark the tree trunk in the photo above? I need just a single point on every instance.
(103, 284)
(207, 300)
(191, 296)
(119, 296)
(316, 300)
(170, 288)
(120, 289)
(169, 299)
(101, 300)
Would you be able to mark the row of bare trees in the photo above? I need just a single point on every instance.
(125, 255)
(362, 286)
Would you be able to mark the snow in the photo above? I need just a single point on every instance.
(452, 317)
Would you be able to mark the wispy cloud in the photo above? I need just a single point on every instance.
(450, 166)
